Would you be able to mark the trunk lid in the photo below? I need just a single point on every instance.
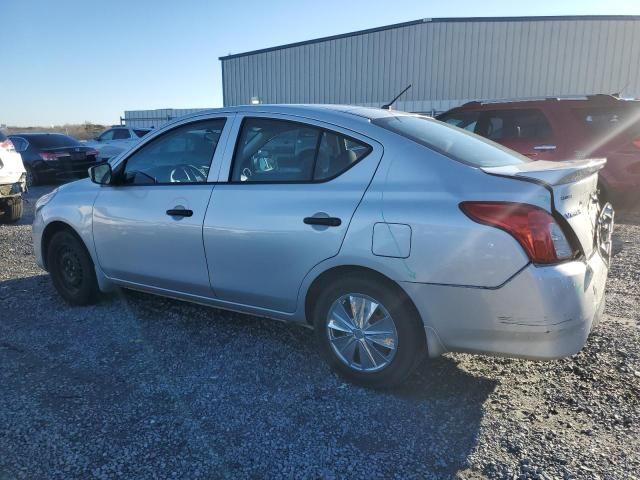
(575, 191)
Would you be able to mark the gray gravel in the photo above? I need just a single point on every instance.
(144, 387)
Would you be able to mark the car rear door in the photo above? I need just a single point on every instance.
(525, 130)
(147, 227)
(277, 212)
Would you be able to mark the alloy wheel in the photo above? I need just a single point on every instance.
(362, 333)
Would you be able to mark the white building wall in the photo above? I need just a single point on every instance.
(448, 62)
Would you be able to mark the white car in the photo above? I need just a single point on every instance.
(12, 181)
(116, 140)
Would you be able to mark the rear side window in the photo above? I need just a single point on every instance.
(271, 150)
(3, 137)
(140, 133)
(453, 142)
(514, 124)
(53, 140)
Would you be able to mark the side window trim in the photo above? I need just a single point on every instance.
(228, 119)
(321, 130)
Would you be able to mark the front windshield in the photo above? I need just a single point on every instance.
(451, 141)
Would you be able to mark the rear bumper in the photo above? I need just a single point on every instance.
(542, 313)
(62, 170)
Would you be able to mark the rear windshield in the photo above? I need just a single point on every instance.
(53, 140)
(451, 141)
(141, 133)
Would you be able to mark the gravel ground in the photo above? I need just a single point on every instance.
(144, 387)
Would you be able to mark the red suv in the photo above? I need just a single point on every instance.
(597, 126)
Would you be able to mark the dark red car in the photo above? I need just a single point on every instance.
(597, 126)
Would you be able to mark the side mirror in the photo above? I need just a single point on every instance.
(97, 139)
(101, 173)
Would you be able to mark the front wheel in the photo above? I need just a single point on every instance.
(368, 331)
(71, 268)
(12, 210)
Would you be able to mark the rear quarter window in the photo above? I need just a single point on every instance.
(450, 141)
(141, 133)
(608, 119)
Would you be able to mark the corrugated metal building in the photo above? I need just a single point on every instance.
(449, 61)
(154, 118)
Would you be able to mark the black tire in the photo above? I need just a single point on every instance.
(71, 269)
(12, 210)
(32, 179)
(411, 343)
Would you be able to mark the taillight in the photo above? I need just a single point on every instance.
(47, 156)
(7, 145)
(636, 142)
(534, 228)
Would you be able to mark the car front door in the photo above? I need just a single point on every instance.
(147, 226)
(288, 192)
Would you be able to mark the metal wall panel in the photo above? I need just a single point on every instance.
(448, 61)
(155, 118)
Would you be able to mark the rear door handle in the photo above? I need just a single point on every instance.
(544, 147)
(326, 221)
(179, 212)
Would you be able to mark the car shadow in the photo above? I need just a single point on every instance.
(159, 378)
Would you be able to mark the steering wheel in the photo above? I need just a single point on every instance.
(186, 173)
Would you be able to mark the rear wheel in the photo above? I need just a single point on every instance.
(12, 210)
(72, 270)
(368, 331)
(31, 179)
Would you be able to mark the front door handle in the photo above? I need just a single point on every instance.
(179, 212)
(544, 147)
(325, 221)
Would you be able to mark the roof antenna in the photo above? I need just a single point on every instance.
(387, 106)
(619, 93)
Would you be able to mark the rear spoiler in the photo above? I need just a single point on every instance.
(551, 173)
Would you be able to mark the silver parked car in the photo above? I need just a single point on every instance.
(394, 235)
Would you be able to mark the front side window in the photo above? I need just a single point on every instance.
(121, 134)
(108, 135)
(181, 155)
(271, 150)
(515, 124)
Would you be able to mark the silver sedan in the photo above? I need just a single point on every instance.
(395, 236)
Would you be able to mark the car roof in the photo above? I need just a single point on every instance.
(592, 100)
(327, 112)
(38, 134)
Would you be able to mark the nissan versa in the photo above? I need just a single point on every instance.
(396, 236)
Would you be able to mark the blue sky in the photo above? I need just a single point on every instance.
(69, 61)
